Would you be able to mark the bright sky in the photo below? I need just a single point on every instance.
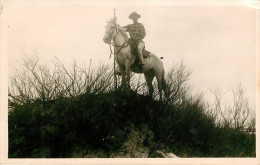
(217, 43)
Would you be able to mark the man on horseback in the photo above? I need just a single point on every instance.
(137, 34)
(115, 35)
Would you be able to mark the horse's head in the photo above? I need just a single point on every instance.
(111, 30)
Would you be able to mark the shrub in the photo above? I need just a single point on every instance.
(54, 113)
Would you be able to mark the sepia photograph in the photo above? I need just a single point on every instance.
(110, 79)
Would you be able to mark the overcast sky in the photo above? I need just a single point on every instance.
(216, 42)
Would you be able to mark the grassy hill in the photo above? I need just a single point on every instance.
(79, 113)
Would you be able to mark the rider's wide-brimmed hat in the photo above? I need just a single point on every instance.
(134, 15)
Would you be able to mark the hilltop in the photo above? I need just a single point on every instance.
(75, 113)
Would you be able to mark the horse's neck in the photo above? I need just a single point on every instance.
(119, 39)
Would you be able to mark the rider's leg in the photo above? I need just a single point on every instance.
(140, 48)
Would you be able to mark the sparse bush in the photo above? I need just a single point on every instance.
(237, 115)
(54, 112)
(182, 121)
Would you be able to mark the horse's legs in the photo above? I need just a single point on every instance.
(149, 80)
(164, 86)
(159, 81)
(123, 74)
(128, 76)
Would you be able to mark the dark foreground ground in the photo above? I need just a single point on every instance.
(120, 124)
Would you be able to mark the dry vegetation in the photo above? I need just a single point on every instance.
(53, 111)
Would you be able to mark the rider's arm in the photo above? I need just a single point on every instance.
(125, 28)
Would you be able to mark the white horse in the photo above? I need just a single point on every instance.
(125, 59)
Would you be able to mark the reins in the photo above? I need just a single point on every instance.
(121, 47)
(114, 44)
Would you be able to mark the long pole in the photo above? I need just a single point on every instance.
(114, 13)
(115, 78)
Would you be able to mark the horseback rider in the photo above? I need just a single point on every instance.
(137, 34)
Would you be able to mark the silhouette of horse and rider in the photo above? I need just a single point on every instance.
(130, 53)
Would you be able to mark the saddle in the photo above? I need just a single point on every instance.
(133, 45)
